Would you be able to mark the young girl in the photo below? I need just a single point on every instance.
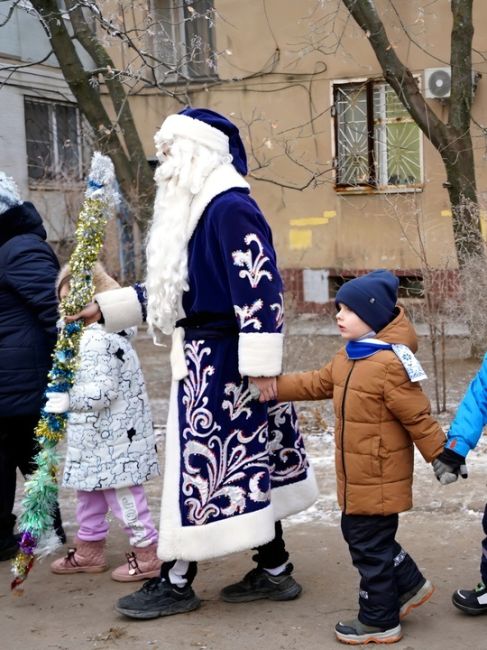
(111, 448)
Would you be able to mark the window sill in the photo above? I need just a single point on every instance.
(55, 185)
(379, 190)
(184, 81)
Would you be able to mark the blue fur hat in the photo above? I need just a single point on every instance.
(208, 128)
(9, 194)
(372, 297)
(224, 125)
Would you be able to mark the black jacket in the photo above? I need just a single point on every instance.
(28, 310)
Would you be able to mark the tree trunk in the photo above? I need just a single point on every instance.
(462, 191)
(132, 183)
(452, 140)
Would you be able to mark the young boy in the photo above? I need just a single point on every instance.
(463, 436)
(380, 410)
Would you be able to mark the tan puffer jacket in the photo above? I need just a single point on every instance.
(379, 414)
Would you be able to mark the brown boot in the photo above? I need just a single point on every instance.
(142, 563)
(85, 557)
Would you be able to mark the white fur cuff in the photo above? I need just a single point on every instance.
(120, 308)
(260, 355)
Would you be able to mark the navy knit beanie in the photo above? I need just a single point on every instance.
(372, 297)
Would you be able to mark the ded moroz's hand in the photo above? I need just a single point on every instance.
(89, 314)
(57, 402)
(448, 466)
(265, 388)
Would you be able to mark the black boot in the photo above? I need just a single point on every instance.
(258, 584)
(9, 545)
(58, 525)
(158, 598)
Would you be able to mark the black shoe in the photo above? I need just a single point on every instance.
(471, 601)
(258, 584)
(9, 546)
(157, 598)
(355, 633)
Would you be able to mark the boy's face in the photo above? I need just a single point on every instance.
(350, 325)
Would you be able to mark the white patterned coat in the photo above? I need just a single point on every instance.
(110, 437)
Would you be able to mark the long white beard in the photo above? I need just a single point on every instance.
(179, 179)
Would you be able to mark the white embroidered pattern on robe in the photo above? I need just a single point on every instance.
(253, 267)
(199, 418)
(240, 402)
(226, 464)
(246, 315)
(227, 461)
(278, 307)
(293, 459)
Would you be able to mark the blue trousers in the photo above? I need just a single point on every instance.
(386, 570)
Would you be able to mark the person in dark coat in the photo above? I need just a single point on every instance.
(28, 314)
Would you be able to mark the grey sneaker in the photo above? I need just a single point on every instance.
(354, 633)
(415, 597)
(157, 598)
(258, 584)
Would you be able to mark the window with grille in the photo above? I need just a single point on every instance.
(183, 39)
(54, 140)
(377, 143)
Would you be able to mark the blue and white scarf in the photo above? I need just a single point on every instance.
(367, 347)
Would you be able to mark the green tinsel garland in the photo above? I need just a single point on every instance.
(41, 490)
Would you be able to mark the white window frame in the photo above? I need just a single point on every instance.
(380, 186)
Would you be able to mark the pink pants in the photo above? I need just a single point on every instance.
(128, 504)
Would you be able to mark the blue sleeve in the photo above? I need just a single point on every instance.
(250, 260)
(255, 286)
(471, 416)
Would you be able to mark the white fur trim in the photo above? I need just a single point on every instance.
(120, 308)
(184, 126)
(294, 497)
(179, 367)
(223, 178)
(260, 354)
(177, 542)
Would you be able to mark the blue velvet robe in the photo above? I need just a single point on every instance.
(233, 465)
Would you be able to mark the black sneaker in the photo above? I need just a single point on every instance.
(354, 633)
(415, 597)
(9, 546)
(158, 598)
(471, 601)
(258, 584)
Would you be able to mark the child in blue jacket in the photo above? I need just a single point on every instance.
(463, 436)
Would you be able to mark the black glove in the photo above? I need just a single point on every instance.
(448, 466)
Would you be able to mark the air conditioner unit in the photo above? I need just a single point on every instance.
(437, 82)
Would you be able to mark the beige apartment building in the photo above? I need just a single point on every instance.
(346, 179)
